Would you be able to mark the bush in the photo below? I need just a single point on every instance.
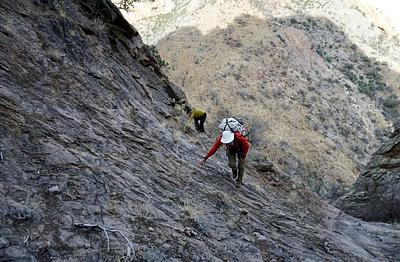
(365, 88)
(391, 102)
(126, 5)
(154, 52)
(348, 87)
(328, 59)
(349, 66)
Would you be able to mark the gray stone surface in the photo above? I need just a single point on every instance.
(79, 110)
(375, 195)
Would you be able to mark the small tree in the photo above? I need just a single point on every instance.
(126, 5)
(154, 52)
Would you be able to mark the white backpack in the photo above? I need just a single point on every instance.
(232, 124)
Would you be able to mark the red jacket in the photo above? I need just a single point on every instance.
(240, 145)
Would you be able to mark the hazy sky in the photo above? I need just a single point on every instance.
(391, 8)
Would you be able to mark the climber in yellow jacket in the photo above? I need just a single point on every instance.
(199, 117)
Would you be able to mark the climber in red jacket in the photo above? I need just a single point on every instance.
(236, 146)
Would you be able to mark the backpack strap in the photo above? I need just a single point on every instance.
(227, 124)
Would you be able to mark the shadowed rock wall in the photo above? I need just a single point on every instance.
(375, 195)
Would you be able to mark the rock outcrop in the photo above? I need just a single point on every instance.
(375, 195)
(94, 167)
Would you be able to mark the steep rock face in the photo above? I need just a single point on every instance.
(76, 108)
(93, 166)
(375, 195)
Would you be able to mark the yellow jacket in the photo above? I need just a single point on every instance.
(196, 113)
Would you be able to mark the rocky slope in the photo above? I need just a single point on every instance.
(375, 195)
(94, 167)
(312, 83)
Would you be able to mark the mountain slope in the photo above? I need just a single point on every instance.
(94, 167)
(320, 99)
(366, 26)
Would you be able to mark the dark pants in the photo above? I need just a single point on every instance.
(237, 170)
(199, 122)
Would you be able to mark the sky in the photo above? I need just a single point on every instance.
(390, 8)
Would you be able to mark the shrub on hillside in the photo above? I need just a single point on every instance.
(391, 102)
(127, 5)
(154, 52)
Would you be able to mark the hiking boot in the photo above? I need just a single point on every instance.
(234, 174)
(238, 184)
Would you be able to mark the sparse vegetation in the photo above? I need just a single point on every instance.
(154, 52)
(127, 5)
(391, 101)
(392, 104)
(366, 76)
(258, 4)
(348, 87)
(188, 209)
(281, 38)
(300, 5)
(98, 24)
(257, 128)
(144, 213)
